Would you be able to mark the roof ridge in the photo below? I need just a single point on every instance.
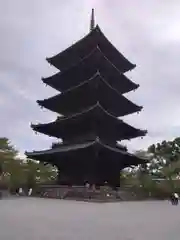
(80, 40)
(81, 113)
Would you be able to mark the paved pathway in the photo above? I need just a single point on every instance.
(48, 219)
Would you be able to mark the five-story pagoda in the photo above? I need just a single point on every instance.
(91, 82)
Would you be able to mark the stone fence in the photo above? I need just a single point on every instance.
(104, 193)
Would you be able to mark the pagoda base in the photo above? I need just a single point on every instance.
(82, 193)
(79, 175)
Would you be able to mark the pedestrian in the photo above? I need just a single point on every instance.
(176, 197)
(30, 192)
(20, 191)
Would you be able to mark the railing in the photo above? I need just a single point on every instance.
(104, 193)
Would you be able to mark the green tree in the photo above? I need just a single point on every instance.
(166, 157)
(17, 172)
(164, 164)
(11, 165)
(38, 173)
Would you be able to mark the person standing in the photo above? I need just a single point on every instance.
(30, 192)
(176, 197)
(20, 191)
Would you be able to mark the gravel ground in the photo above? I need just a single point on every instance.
(50, 219)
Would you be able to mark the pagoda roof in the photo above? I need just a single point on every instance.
(79, 152)
(94, 120)
(94, 90)
(81, 48)
(86, 68)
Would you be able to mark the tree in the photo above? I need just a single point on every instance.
(11, 166)
(166, 150)
(164, 163)
(166, 157)
(21, 172)
(38, 173)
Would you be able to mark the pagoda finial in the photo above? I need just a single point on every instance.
(92, 23)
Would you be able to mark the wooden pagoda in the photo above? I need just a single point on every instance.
(91, 82)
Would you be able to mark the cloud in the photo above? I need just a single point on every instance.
(147, 32)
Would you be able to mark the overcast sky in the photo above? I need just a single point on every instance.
(146, 32)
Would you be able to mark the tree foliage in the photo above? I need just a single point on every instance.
(18, 172)
(166, 158)
(160, 176)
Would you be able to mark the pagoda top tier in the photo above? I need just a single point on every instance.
(83, 47)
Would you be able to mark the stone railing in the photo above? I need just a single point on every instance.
(104, 193)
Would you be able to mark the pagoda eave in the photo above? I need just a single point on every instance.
(81, 48)
(96, 150)
(114, 134)
(86, 68)
(57, 82)
(65, 109)
(95, 119)
(92, 91)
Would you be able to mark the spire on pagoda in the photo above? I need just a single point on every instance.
(92, 23)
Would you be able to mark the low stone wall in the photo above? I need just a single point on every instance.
(4, 193)
(83, 193)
